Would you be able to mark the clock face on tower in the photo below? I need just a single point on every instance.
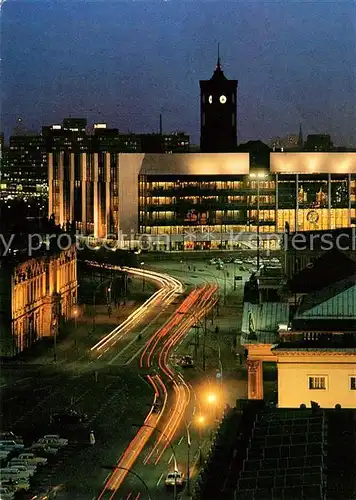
(210, 99)
(223, 99)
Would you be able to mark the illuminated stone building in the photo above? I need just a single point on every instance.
(36, 296)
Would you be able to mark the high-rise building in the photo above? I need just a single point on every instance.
(24, 173)
(218, 105)
(83, 188)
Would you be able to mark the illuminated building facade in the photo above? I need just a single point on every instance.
(83, 187)
(300, 192)
(36, 296)
(197, 200)
(314, 191)
(24, 170)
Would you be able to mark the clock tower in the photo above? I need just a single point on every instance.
(218, 130)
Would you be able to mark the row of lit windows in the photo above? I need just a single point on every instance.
(28, 292)
(309, 220)
(233, 185)
(217, 228)
(338, 220)
(195, 200)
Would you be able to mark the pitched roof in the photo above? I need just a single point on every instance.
(337, 301)
(263, 319)
(330, 268)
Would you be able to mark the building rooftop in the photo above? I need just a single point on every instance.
(313, 162)
(328, 269)
(191, 163)
(260, 322)
(337, 301)
(322, 240)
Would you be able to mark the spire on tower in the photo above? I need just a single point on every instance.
(218, 73)
(218, 65)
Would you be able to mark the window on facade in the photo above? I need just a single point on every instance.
(317, 383)
(353, 383)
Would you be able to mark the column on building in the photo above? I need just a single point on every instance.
(94, 177)
(255, 379)
(71, 216)
(83, 177)
(61, 188)
(50, 184)
(107, 192)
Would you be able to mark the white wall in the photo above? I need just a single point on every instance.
(129, 169)
(293, 381)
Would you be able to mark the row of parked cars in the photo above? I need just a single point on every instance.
(19, 463)
(219, 263)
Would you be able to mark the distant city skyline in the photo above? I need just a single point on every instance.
(124, 63)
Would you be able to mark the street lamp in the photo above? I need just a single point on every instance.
(108, 299)
(189, 442)
(94, 299)
(116, 467)
(200, 422)
(258, 176)
(75, 312)
(173, 452)
(211, 398)
(143, 276)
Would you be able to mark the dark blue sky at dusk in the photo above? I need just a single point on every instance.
(125, 62)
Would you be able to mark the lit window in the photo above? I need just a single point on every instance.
(352, 383)
(317, 383)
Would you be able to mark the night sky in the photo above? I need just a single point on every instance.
(125, 62)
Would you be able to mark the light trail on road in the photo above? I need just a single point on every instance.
(156, 355)
(169, 288)
(182, 389)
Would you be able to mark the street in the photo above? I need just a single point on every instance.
(113, 386)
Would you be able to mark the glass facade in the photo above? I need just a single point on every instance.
(202, 204)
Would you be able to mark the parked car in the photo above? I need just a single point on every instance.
(4, 454)
(6, 493)
(15, 484)
(21, 463)
(10, 435)
(187, 362)
(24, 471)
(12, 474)
(10, 443)
(175, 478)
(53, 441)
(31, 458)
(43, 449)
